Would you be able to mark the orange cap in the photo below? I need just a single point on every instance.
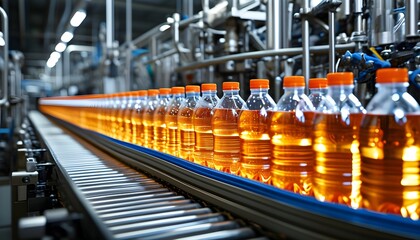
(152, 92)
(177, 90)
(318, 83)
(192, 88)
(293, 81)
(164, 91)
(259, 83)
(142, 93)
(392, 75)
(340, 78)
(231, 86)
(208, 87)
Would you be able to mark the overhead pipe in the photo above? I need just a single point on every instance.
(128, 36)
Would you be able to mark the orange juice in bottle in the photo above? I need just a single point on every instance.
(151, 106)
(128, 125)
(116, 103)
(336, 143)
(224, 124)
(203, 112)
(290, 131)
(254, 132)
(171, 120)
(390, 147)
(185, 122)
(137, 118)
(120, 116)
(159, 125)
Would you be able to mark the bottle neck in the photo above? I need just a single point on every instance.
(192, 94)
(208, 93)
(340, 89)
(178, 95)
(319, 91)
(230, 92)
(259, 91)
(392, 87)
(294, 90)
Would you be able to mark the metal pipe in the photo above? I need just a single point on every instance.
(109, 24)
(66, 58)
(5, 26)
(260, 54)
(331, 36)
(128, 35)
(305, 43)
(411, 18)
(273, 24)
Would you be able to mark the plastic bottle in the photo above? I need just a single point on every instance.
(224, 124)
(120, 116)
(171, 120)
(390, 147)
(290, 132)
(336, 143)
(159, 125)
(128, 127)
(185, 122)
(137, 117)
(203, 112)
(116, 103)
(254, 132)
(152, 103)
(318, 89)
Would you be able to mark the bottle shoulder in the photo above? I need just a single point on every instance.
(383, 103)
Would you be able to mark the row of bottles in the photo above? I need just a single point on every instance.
(325, 145)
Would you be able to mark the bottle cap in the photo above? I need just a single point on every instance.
(208, 87)
(231, 86)
(340, 78)
(142, 93)
(152, 92)
(318, 83)
(192, 88)
(259, 83)
(293, 81)
(164, 91)
(392, 75)
(178, 90)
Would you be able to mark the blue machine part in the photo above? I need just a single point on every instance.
(412, 77)
(359, 58)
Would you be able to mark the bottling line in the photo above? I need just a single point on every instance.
(71, 175)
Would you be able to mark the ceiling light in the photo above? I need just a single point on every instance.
(78, 18)
(170, 20)
(51, 63)
(60, 47)
(55, 55)
(66, 37)
(164, 27)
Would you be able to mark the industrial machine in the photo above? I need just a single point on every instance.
(72, 183)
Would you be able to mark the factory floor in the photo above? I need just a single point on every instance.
(5, 208)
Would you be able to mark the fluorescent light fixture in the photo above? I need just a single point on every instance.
(51, 62)
(78, 18)
(66, 37)
(164, 27)
(170, 20)
(60, 47)
(55, 55)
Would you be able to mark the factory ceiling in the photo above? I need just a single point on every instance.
(35, 26)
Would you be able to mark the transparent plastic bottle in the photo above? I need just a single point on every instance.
(203, 112)
(159, 125)
(224, 124)
(171, 120)
(185, 122)
(116, 104)
(254, 132)
(291, 132)
(120, 116)
(128, 127)
(318, 90)
(390, 147)
(137, 117)
(152, 102)
(336, 143)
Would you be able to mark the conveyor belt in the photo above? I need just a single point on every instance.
(270, 211)
(130, 204)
